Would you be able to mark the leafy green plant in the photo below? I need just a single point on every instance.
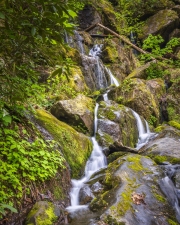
(25, 159)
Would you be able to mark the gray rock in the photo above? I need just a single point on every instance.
(132, 195)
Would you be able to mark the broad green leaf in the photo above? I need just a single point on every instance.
(5, 206)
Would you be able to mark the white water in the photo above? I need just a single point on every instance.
(96, 161)
(144, 132)
(79, 42)
(113, 80)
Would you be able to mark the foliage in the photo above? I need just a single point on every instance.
(31, 32)
(153, 43)
(25, 159)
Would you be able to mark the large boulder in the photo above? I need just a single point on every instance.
(78, 112)
(76, 146)
(132, 194)
(163, 23)
(165, 147)
(116, 124)
(136, 94)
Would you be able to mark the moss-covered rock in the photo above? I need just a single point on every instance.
(42, 213)
(165, 147)
(76, 147)
(127, 177)
(116, 124)
(120, 59)
(136, 94)
(78, 112)
(163, 23)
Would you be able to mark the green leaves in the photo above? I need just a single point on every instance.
(3, 208)
(22, 162)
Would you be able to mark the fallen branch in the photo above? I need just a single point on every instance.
(122, 38)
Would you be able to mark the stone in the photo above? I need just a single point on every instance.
(116, 123)
(85, 195)
(163, 23)
(76, 147)
(165, 147)
(132, 190)
(42, 213)
(136, 94)
(78, 112)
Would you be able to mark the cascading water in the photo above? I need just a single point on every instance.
(144, 132)
(112, 78)
(167, 186)
(96, 161)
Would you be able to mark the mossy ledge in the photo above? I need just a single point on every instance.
(75, 146)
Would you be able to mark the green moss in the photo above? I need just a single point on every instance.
(135, 163)
(159, 129)
(48, 218)
(159, 159)
(76, 147)
(125, 202)
(160, 198)
(42, 214)
(172, 222)
(174, 124)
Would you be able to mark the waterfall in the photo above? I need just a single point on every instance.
(112, 78)
(144, 132)
(96, 161)
(79, 42)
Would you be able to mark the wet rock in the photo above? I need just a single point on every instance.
(163, 23)
(165, 147)
(95, 75)
(78, 112)
(116, 123)
(136, 94)
(85, 195)
(97, 188)
(133, 192)
(43, 213)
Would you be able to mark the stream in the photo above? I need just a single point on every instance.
(78, 213)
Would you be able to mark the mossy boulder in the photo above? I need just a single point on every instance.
(116, 123)
(78, 112)
(75, 146)
(163, 23)
(125, 178)
(42, 213)
(136, 94)
(121, 60)
(77, 81)
(165, 147)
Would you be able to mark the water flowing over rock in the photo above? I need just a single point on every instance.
(165, 147)
(115, 124)
(134, 93)
(76, 112)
